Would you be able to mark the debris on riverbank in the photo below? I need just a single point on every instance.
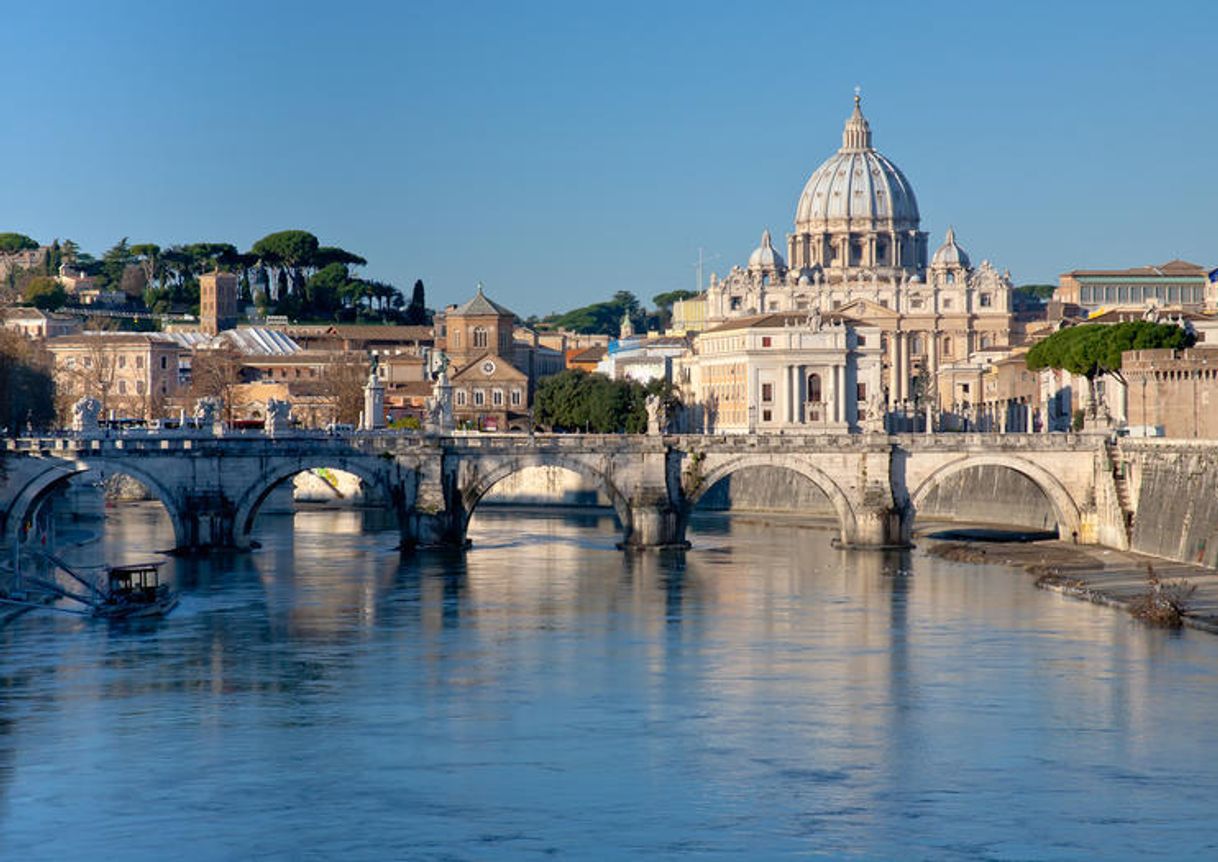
(1105, 576)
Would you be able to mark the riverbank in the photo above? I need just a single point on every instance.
(1090, 572)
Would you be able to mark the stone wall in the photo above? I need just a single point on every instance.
(1176, 493)
(545, 486)
(766, 489)
(989, 494)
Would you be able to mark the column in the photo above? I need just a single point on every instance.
(801, 393)
(893, 368)
(791, 393)
(835, 387)
(903, 366)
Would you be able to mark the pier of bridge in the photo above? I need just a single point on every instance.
(213, 486)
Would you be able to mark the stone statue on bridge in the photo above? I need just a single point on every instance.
(84, 415)
(207, 414)
(657, 415)
(278, 413)
(439, 418)
(873, 422)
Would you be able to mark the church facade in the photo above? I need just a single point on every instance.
(858, 253)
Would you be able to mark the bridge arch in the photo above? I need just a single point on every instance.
(1069, 518)
(59, 472)
(847, 520)
(483, 482)
(251, 500)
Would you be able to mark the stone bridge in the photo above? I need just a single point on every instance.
(212, 486)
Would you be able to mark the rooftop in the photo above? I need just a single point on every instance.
(1171, 268)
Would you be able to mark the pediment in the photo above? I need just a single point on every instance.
(866, 310)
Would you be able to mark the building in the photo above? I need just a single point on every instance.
(688, 316)
(858, 252)
(491, 383)
(643, 358)
(38, 324)
(25, 259)
(1176, 283)
(133, 375)
(586, 358)
(785, 372)
(1172, 393)
(374, 339)
(217, 302)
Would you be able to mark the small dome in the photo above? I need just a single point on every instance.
(765, 256)
(950, 254)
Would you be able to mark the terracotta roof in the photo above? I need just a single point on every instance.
(111, 339)
(595, 353)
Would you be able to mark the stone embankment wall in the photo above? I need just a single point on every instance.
(545, 486)
(989, 494)
(1174, 494)
(766, 489)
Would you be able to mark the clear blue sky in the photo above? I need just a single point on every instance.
(562, 151)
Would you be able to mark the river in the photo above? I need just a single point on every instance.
(761, 696)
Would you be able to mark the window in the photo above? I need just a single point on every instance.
(814, 387)
(122, 387)
(862, 392)
(139, 387)
(766, 341)
(497, 397)
(767, 391)
(479, 397)
(122, 360)
(986, 300)
(516, 398)
(947, 346)
(883, 303)
(735, 303)
(947, 302)
(915, 303)
(139, 362)
(915, 343)
(767, 416)
(164, 362)
(951, 278)
(480, 336)
(460, 397)
(862, 340)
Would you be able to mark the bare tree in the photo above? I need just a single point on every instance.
(216, 373)
(343, 386)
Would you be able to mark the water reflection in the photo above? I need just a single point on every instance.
(762, 694)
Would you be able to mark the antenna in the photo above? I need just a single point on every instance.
(700, 263)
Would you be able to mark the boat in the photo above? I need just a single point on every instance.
(134, 592)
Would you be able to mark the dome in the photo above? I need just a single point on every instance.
(857, 182)
(765, 256)
(950, 254)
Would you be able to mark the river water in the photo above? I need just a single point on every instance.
(762, 696)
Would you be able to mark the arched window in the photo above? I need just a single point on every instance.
(480, 336)
(460, 397)
(497, 397)
(947, 346)
(814, 388)
(479, 397)
(951, 278)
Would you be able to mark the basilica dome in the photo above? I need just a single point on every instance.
(857, 183)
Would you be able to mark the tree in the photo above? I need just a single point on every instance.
(148, 256)
(416, 312)
(324, 289)
(215, 373)
(11, 243)
(27, 391)
(45, 292)
(604, 318)
(113, 264)
(1093, 350)
(342, 386)
(576, 401)
(289, 251)
(328, 254)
